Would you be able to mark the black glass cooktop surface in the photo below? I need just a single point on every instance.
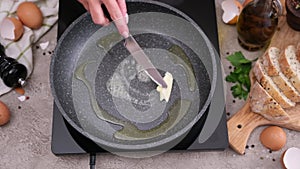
(209, 133)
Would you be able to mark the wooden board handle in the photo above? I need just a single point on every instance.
(241, 125)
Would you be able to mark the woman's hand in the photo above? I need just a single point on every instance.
(116, 9)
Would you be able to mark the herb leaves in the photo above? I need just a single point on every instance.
(240, 75)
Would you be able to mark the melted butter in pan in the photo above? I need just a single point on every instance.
(130, 131)
(118, 88)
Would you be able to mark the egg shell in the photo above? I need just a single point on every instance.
(20, 90)
(246, 2)
(290, 158)
(4, 114)
(30, 15)
(231, 10)
(233, 20)
(11, 28)
(273, 137)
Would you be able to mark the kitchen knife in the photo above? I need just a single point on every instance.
(138, 54)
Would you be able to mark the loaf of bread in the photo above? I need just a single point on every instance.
(277, 85)
(262, 103)
(271, 66)
(268, 84)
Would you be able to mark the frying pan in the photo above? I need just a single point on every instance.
(106, 96)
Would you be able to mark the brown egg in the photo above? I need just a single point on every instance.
(4, 114)
(273, 137)
(11, 28)
(30, 15)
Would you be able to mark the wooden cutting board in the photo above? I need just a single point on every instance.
(242, 123)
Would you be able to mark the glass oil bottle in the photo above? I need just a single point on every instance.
(257, 23)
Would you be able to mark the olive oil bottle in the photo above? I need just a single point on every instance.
(257, 23)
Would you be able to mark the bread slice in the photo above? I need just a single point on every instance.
(268, 84)
(268, 61)
(290, 66)
(262, 103)
(271, 65)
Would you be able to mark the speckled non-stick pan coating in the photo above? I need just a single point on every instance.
(70, 45)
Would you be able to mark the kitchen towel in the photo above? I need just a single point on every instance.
(22, 49)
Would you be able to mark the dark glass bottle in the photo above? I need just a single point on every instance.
(293, 14)
(257, 23)
(12, 73)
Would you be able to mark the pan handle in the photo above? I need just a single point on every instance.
(92, 160)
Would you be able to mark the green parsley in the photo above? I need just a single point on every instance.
(240, 75)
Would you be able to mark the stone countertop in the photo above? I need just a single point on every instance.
(25, 141)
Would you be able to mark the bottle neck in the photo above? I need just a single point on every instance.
(273, 8)
(266, 5)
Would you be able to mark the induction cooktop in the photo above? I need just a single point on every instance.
(209, 133)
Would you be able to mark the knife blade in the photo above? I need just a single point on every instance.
(138, 54)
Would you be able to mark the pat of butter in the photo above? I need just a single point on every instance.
(165, 93)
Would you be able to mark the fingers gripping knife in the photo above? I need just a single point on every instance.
(12, 73)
